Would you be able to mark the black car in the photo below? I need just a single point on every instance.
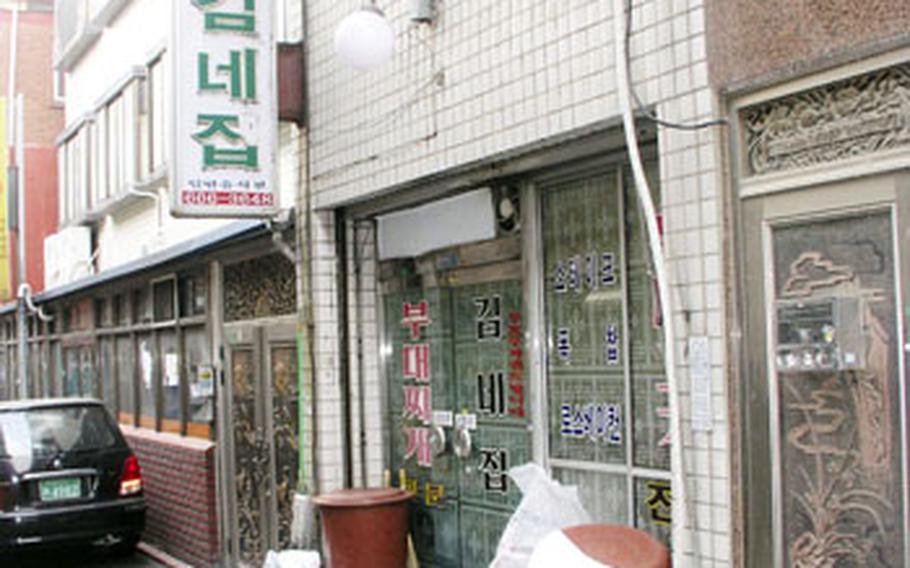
(67, 476)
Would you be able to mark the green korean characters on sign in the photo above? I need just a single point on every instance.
(241, 70)
(229, 21)
(236, 78)
(223, 125)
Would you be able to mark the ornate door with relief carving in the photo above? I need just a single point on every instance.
(262, 437)
(455, 369)
(830, 385)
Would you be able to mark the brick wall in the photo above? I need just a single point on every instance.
(43, 122)
(34, 74)
(179, 477)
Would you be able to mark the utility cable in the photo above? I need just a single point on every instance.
(682, 536)
(640, 106)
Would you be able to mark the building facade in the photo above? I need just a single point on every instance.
(28, 45)
(142, 308)
(482, 290)
(475, 286)
(817, 97)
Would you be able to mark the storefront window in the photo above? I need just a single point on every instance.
(58, 363)
(201, 379)
(142, 305)
(44, 366)
(607, 395)
(164, 297)
(125, 378)
(108, 379)
(650, 394)
(193, 295)
(146, 352)
(88, 372)
(584, 259)
(604, 495)
(34, 370)
(71, 383)
(121, 309)
(169, 363)
(4, 375)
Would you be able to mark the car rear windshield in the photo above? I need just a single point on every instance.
(40, 433)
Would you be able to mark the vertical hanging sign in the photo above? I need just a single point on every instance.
(5, 288)
(225, 116)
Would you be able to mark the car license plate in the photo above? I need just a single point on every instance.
(60, 489)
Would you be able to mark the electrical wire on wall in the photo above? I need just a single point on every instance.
(640, 106)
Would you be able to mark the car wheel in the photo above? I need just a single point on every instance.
(126, 547)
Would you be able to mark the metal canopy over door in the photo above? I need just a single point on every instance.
(455, 368)
(261, 444)
(825, 379)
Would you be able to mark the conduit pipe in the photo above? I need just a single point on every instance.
(11, 80)
(681, 506)
(25, 291)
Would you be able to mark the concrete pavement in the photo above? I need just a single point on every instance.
(79, 558)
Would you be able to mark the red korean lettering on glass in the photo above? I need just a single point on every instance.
(419, 446)
(418, 403)
(416, 316)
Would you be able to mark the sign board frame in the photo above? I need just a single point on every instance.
(223, 158)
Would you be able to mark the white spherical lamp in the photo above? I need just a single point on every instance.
(365, 39)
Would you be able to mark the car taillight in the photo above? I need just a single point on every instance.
(131, 480)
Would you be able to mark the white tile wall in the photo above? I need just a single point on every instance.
(514, 72)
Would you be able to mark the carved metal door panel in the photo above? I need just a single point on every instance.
(262, 420)
(836, 396)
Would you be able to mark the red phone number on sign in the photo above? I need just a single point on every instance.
(246, 198)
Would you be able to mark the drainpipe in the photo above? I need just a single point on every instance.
(11, 80)
(306, 331)
(344, 359)
(682, 512)
(14, 185)
(361, 380)
(22, 278)
(307, 482)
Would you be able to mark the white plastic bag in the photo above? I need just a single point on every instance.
(546, 505)
(292, 559)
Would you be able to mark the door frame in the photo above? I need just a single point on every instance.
(760, 214)
(531, 186)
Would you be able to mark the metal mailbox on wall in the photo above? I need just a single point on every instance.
(820, 335)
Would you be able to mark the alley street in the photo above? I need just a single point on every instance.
(79, 558)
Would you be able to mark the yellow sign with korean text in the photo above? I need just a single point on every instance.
(5, 292)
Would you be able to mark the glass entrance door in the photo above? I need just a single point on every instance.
(455, 368)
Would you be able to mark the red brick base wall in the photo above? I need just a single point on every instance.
(179, 477)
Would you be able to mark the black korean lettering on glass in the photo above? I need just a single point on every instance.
(489, 318)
